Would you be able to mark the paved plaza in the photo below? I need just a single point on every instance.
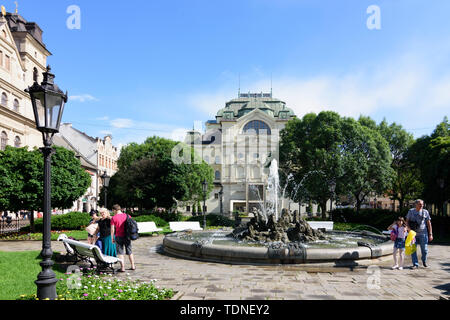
(196, 280)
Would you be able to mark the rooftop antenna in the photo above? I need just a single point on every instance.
(271, 84)
(17, 7)
(239, 91)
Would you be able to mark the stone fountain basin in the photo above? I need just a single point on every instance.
(348, 256)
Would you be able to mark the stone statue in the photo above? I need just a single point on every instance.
(289, 228)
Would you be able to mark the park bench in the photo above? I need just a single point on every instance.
(87, 253)
(327, 225)
(146, 227)
(185, 225)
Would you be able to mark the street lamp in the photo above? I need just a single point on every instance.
(105, 179)
(48, 105)
(332, 190)
(441, 183)
(205, 189)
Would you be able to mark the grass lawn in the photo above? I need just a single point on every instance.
(18, 271)
(76, 234)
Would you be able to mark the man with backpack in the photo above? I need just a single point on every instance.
(418, 219)
(120, 238)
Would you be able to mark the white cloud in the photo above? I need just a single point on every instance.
(122, 123)
(403, 88)
(83, 98)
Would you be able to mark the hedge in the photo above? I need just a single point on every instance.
(69, 221)
(214, 220)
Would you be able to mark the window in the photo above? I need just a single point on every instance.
(17, 142)
(4, 100)
(255, 126)
(1, 58)
(216, 196)
(188, 209)
(4, 140)
(4, 34)
(217, 175)
(7, 63)
(16, 105)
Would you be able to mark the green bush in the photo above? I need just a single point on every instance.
(69, 221)
(214, 220)
(157, 220)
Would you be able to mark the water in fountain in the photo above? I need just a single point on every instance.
(273, 186)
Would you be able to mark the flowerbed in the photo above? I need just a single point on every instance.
(90, 286)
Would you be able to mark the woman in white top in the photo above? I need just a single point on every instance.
(399, 228)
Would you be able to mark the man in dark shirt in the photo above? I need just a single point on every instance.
(419, 220)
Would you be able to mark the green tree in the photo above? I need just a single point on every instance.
(22, 179)
(366, 159)
(431, 155)
(406, 184)
(309, 151)
(148, 178)
(322, 151)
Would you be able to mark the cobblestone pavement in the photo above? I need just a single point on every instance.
(195, 280)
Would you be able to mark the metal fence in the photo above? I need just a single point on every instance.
(10, 225)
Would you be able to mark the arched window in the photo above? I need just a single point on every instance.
(217, 175)
(256, 126)
(4, 100)
(4, 34)
(17, 142)
(4, 140)
(16, 105)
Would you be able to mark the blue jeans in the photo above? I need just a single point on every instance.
(422, 241)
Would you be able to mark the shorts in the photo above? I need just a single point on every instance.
(123, 242)
(399, 243)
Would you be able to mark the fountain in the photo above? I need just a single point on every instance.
(270, 238)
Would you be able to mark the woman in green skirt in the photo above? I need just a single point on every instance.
(104, 227)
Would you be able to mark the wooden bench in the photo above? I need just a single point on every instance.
(185, 225)
(88, 252)
(150, 226)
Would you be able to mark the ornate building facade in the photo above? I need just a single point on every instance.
(239, 145)
(23, 59)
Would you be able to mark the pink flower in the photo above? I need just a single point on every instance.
(86, 294)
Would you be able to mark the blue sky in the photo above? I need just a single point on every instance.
(139, 68)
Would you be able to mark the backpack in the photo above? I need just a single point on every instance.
(131, 228)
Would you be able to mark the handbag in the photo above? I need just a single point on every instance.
(92, 228)
(394, 234)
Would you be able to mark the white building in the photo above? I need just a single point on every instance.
(96, 155)
(239, 145)
(23, 58)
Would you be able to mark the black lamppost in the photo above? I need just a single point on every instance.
(332, 190)
(48, 105)
(441, 183)
(105, 179)
(205, 189)
(221, 199)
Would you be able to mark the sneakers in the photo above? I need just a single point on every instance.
(425, 265)
(400, 268)
(416, 266)
(394, 267)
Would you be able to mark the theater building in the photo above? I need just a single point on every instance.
(240, 145)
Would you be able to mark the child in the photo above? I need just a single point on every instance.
(399, 227)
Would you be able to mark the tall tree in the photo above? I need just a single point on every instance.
(148, 178)
(406, 184)
(431, 155)
(21, 180)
